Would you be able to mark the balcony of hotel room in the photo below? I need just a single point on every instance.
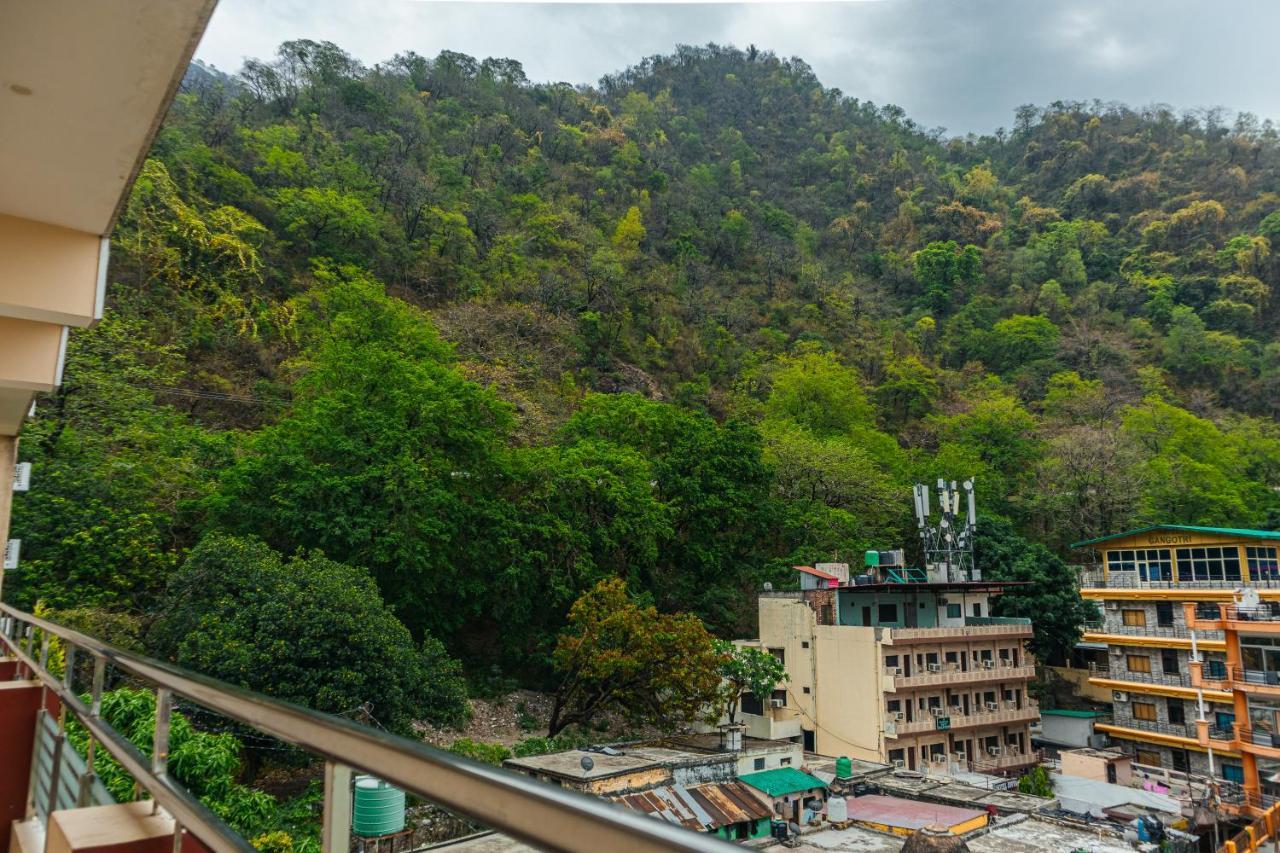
(1210, 565)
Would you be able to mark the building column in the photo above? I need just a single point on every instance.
(8, 461)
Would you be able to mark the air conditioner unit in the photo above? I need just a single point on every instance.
(12, 549)
(1119, 696)
(1013, 750)
(958, 757)
(1006, 662)
(22, 477)
(992, 706)
(936, 711)
(988, 664)
(994, 750)
(898, 715)
(942, 602)
(957, 710)
(777, 703)
(896, 672)
(935, 667)
(898, 764)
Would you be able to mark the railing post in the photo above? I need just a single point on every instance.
(160, 741)
(60, 738)
(336, 830)
(95, 708)
(32, 783)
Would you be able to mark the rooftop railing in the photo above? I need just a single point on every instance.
(534, 812)
(1098, 579)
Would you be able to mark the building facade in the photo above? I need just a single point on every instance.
(909, 671)
(1142, 583)
(1251, 677)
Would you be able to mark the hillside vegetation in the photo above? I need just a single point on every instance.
(491, 341)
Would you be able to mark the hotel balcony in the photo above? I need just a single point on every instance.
(44, 783)
(1010, 713)
(1185, 731)
(1009, 758)
(951, 674)
(1261, 618)
(1099, 579)
(1167, 679)
(974, 628)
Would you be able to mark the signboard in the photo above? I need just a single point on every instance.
(22, 477)
(11, 549)
(944, 723)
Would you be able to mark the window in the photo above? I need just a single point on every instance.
(894, 706)
(955, 611)
(891, 662)
(1151, 564)
(780, 654)
(977, 609)
(1233, 773)
(952, 657)
(896, 755)
(1144, 711)
(1209, 564)
(1139, 663)
(888, 613)
(1169, 661)
(806, 691)
(1180, 762)
(785, 762)
(751, 704)
(758, 764)
(1149, 757)
(804, 644)
(1262, 562)
(1217, 669)
(1164, 614)
(1177, 711)
(1136, 618)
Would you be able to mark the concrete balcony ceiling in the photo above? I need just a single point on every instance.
(83, 89)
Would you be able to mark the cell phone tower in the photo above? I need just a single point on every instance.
(948, 537)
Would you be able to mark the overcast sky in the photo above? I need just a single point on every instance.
(959, 64)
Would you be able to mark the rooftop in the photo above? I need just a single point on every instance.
(1241, 532)
(782, 780)
(700, 807)
(907, 814)
(568, 765)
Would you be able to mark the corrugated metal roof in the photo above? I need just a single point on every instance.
(817, 573)
(702, 807)
(1190, 528)
(782, 780)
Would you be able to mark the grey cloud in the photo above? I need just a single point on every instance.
(961, 64)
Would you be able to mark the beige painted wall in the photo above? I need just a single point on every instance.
(47, 273)
(850, 705)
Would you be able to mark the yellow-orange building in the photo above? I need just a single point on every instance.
(1144, 581)
(1250, 626)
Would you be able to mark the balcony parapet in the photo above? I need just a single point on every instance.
(973, 629)
(1027, 713)
(895, 682)
(1169, 679)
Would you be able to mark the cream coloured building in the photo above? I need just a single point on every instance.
(912, 672)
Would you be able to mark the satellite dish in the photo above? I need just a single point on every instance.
(586, 762)
(768, 586)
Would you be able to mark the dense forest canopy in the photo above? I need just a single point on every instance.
(491, 342)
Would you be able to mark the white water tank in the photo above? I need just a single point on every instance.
(837, 810)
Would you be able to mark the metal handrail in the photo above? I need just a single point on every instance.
(537, 813)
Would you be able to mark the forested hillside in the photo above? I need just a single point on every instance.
(491, 341)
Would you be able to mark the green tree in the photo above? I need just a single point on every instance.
(307, 630)
(744, 669)
(943, 270)
(617, 656)
(1050, 598)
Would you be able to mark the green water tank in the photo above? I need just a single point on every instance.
(873, 559)
(377, 808)
(844, 768)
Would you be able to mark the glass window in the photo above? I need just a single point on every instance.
(1177, 712)
(1217, 668)
(1164, 614)
(1139, 663)
(1144, 711)
(1136, 618)
(1151, 564)
(1209, 564)
(751, 704)
(1233, 773)
(1169, 661)
(977, 609)
(888, 613)
(759, 763)
(891, 661)
(955, 611)
(1262, 562)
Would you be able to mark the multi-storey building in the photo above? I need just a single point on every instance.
(1143, 580)
(897, 667)
(1250, 628)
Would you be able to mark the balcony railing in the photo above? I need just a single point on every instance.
(1173, 631)
(973, 628)
(1187, 730)
(1097, 579)
(1009, 757)
(999, 672)
(539, 814)
(1171, 679)
(929, 723)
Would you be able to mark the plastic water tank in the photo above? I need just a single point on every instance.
(844, 768)
(837, 810)
(377, 808)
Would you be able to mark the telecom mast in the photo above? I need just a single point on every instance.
(948, 537)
